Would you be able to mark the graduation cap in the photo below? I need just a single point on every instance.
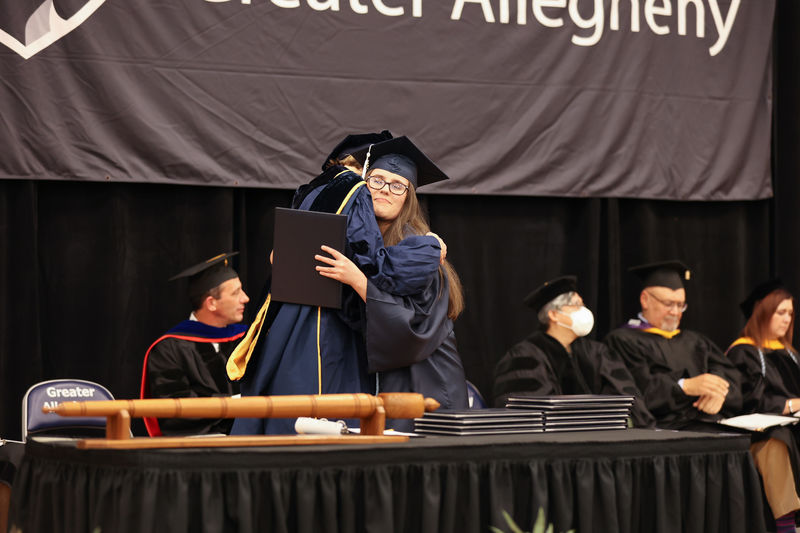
(758, 294)
(550, 290)
(669, 274)
(402, 157)
(354, 143)
(209, 274)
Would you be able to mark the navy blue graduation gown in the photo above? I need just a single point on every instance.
(411, 346)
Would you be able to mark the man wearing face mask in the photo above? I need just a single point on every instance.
(558, 359)
(686, 381)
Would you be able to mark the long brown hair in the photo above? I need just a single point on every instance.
(757, 327)
(411, 221)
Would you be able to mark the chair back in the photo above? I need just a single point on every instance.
(474, 397)
(53, 392)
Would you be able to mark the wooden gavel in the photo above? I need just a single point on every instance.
(371, 410)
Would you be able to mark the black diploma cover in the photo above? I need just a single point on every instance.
(298, 237)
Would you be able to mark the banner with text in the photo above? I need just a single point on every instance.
(624, 98)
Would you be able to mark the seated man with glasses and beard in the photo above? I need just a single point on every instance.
(686, 381)
(558, 359)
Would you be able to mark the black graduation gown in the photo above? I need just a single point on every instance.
(765, 390)
(411, 347)
(178, 368)
(657, 362)
(540, 365)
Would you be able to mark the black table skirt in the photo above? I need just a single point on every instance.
(611, 481)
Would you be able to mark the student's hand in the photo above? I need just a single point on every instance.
(343, 270)
(705, 384)
(442, 245)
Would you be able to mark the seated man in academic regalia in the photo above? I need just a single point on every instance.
(686, 381)
(558, 359)
(188, 361)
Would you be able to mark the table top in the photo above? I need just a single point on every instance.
(540, 446)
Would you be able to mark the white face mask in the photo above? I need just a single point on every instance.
(582, 321)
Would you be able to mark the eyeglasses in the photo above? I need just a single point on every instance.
(395, 187)
(680, 306)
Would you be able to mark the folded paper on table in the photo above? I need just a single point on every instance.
(758, 421)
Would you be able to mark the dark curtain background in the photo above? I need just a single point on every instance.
(84, 266)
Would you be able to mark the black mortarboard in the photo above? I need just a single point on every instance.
(757, 294)
(354, 143)
(209, 274)
(401, 156)
(550, 290)
(669, 274)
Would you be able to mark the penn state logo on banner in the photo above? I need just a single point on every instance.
(32, 28)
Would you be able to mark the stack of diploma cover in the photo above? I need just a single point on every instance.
(479, 422)
(577, 412)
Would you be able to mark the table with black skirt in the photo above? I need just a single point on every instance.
(599, 481)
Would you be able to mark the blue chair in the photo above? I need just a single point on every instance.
(474, 397)
(53, 392)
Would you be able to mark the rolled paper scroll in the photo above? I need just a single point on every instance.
(319, 426)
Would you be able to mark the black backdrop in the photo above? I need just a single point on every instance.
(83, 266)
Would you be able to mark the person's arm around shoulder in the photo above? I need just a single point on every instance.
(403, 269)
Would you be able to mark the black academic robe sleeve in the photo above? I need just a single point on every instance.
(524, 370)
(656, 379)
(178, 368)
(721, 366)
(658, 363)
(607, 374)
(539, 365)
(760, 393)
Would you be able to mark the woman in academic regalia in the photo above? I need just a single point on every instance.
(411, 346)
(770, 372)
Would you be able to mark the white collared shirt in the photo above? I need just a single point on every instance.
(215, 344)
